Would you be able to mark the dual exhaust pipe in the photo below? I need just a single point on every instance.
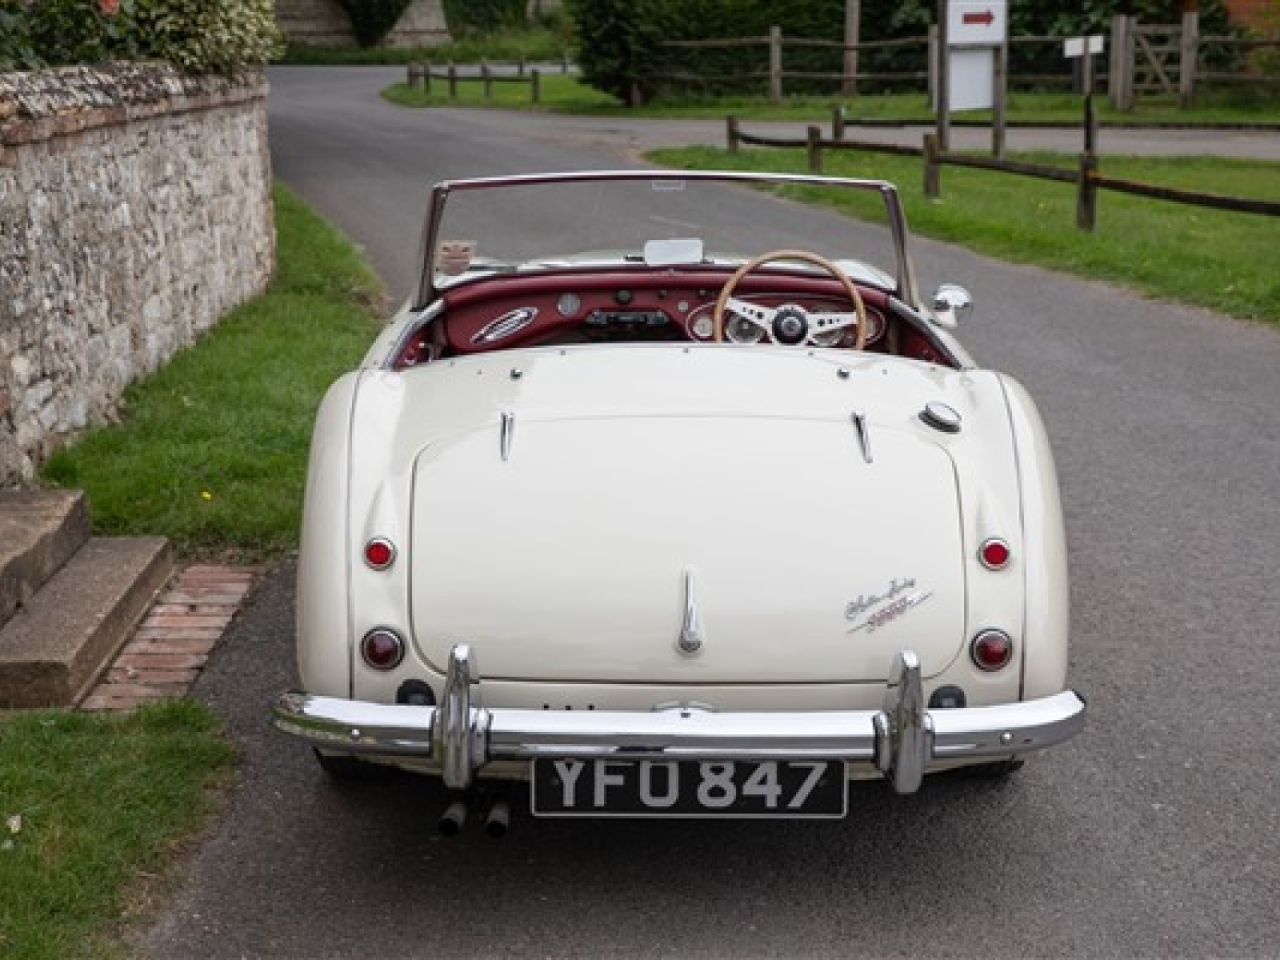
(497, 819)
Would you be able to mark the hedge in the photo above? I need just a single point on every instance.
(200, 36)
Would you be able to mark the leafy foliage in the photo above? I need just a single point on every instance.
(472, 18)
(16, 50)
(618, 45)
(60, 32)
(201, 36)
(371, 20)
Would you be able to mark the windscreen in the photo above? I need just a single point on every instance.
(659, 221)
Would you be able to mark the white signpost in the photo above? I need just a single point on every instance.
(975, 31)
(1077, 47)
(973, 45)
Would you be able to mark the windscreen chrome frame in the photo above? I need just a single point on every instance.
(904, 272)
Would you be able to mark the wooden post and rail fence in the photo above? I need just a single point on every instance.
(1087, 178)
(1144, 59)
(420, 76)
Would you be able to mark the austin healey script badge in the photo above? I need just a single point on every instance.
(873, 611)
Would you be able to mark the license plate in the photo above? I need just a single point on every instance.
(688, 788)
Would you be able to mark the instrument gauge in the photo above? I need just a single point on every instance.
(830, 338)
(704, 327)
(739, 330)
(568, 305)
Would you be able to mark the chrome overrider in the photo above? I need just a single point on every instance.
(903, 740)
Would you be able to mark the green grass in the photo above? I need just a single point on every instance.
(567, 94)
(560, 93)
(1220, 260)
(1023, 108)
(211, 450)
(90, 806)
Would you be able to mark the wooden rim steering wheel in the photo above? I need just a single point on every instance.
(727, 291)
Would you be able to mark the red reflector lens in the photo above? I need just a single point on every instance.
(995, 554)
(992, 650)
(382, 649)
(379, 553)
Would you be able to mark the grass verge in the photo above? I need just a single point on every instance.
(90, 806)
(1216, 259)
(211, 451)
(565, 93)
(560, 93)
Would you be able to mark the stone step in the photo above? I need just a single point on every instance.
(55, 647)
(39, 532)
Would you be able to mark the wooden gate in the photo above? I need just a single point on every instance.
(1153, 59)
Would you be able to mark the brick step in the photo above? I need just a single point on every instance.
(39, 532)
(54, 648)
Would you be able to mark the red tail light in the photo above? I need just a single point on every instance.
(379, 553)
(382, 649)
(991, 650)
(994, 554)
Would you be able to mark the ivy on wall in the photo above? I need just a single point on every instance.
(201, 36)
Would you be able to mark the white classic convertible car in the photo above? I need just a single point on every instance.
(673, 513)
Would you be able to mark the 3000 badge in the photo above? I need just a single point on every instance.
(688, 788)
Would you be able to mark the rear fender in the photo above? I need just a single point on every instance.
(323, 601)
(1047, 627)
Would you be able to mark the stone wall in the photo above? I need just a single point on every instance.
(135, 210)
(322, 23)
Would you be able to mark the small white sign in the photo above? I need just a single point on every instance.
(977, 23)
(971, 81)
(1079, 46)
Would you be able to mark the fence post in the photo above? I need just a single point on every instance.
(852, 31)
(942, 80)
(453, 81)
(1000, 95)
(775, 64)
(426, 77)
(1120, 78)
(1087, 194)
(520, 67)
(814, 138)
(487, 76)
(415, 76)
(731, 133)
(837, 123)
(1090, 126)
(535, 78)
(932, 66)
(1189, 52)
(932, 169)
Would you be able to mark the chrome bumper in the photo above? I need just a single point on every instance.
(903, 740)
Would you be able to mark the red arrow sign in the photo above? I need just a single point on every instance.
(986, 18)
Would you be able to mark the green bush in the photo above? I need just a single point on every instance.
(34, 35)
(200, 36)
(371, 20)
(618, 45)
(16, 49)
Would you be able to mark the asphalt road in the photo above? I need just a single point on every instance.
(1154, 834)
